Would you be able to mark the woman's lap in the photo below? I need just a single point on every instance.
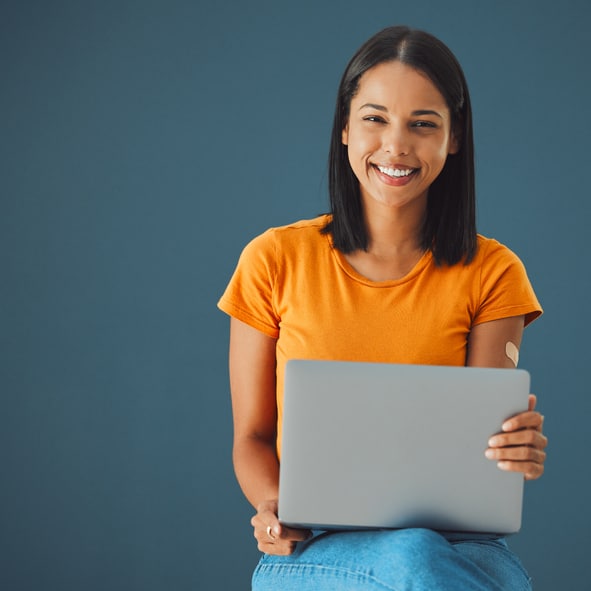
(396, 560)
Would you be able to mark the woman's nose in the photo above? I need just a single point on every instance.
(396, 140)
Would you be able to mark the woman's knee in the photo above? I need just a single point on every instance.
(409, 551)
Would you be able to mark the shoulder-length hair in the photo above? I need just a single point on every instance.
(449, 227)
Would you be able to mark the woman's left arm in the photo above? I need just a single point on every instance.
(519, 446)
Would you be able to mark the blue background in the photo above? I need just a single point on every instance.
(142, 144)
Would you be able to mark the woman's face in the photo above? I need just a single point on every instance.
(398, 135)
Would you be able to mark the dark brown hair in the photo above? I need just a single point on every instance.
(449, 228)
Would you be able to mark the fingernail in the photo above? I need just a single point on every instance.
(508, 426)
(503, 465)
(489, 453)
(492, 441)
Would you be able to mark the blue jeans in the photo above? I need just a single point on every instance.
(398, 560)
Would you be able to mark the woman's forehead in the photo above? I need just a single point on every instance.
(394, 83)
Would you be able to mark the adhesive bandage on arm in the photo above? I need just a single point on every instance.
(512, 352)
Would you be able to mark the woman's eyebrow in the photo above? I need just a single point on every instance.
(373, 106)
(417, 113)
(426, 112)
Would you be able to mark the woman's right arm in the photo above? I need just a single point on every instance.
(254, 409)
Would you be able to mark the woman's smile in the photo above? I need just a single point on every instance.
(398, 135)
(395, 176)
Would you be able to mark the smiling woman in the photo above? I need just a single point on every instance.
(449, 226)
(393, 143)
(361, 284)
(399, 135)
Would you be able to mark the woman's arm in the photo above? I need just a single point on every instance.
(254, 409)
(519, 447)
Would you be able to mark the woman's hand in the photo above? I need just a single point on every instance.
(520, 446)
(272, 536)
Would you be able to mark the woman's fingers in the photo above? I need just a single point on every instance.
(521, 453)
(532, 401)
(530, 470)
(279, 540)
(520, 446)
(520, 458)
(530, 437)
(274, 537)
(526, 420)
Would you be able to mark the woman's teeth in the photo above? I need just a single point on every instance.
(395, 172)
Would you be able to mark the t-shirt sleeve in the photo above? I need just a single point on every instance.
(505, 289)
(249, 295)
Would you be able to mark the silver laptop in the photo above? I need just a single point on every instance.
(371, 445)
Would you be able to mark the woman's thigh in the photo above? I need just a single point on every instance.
(398, 560)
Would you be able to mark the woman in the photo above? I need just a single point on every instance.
(396, 273)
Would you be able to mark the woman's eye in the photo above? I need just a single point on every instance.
(374, 119)
(427, 124)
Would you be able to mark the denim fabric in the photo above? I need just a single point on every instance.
(395, 560)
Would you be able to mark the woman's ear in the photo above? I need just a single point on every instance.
(345, 135)
(454, 141)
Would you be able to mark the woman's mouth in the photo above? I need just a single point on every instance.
(395, 172)
(396, 176)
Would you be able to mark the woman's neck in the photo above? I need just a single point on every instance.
(394, 245)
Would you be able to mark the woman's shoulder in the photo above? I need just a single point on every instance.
(275, 246)
(296, 234)
(491, 251)
(311, 226)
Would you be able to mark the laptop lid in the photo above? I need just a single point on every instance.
(391, 446)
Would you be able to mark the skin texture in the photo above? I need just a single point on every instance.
(398, 120)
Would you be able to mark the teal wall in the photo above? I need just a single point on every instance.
(142, 144)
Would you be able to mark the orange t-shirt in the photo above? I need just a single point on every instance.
(294, 286)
